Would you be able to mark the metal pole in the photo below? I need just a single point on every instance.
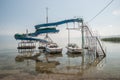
(101, 46)
(68, 35)
(82, 31)
(46, 21)
(47, 15)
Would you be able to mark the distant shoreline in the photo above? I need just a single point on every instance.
(112, 39)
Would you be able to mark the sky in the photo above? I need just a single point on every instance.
(18, 15)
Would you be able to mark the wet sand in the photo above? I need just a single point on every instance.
(19, 75)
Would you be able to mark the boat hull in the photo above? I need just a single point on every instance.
(74, 50)
(53, 50)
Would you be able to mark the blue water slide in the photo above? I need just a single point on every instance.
(26, 37)
(44, 31)
(59, 23)
(30, 36)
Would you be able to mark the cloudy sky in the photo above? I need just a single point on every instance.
(18, 15)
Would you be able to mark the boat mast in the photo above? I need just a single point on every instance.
(46, 36)
(47, 15)
(82, 31)
(26, 32)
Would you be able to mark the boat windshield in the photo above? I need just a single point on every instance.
(53, 45)
(72, 45)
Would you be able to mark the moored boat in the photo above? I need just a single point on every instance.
(73, 48)
(53, 48)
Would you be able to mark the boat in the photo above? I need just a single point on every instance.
(73, 48)
(42, 46)
(53, 48)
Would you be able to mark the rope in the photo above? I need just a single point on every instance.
(100, 11)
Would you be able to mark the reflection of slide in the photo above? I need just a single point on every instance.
(25, 54)
(46, 67)
(56, 63)
(90, 65)
(98, 60)
(54, 55)
(72, 55)
(80, 68)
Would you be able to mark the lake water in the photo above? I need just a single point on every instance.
(75, 66)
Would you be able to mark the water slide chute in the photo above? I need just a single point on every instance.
(43, 29)
(26, 37)
(58, 23)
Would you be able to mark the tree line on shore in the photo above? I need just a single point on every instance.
(111, 39)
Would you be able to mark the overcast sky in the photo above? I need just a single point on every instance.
(18, 15)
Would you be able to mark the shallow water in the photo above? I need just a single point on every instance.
(86, 66)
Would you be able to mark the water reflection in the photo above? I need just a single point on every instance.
(25, 54)
(66, 63)
(73, 55)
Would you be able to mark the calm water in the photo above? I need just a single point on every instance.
(64, 63)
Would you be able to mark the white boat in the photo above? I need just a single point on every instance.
(53, 48)
(73, 48)
(42, 46)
